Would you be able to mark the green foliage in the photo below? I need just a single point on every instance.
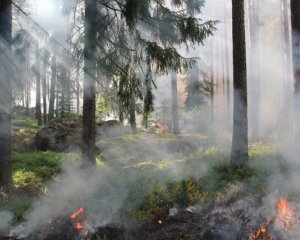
(166, 59)
(32, 169)
(226, 174)
(157, 198)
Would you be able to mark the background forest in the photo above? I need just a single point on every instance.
(149, 119)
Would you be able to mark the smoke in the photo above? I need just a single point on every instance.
(103, 192)
(5, 221)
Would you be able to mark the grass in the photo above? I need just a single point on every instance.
(35, 168)
(171, 170)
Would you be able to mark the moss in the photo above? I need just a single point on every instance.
(30, 169)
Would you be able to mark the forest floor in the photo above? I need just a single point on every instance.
(168, 176)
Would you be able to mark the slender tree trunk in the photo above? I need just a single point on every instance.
(226, 64)
(68, 92)
(89, 100)
(132, 114)
(38, 89)
(5, 94)
(239, 151)
(212, 76)
(52, 89)
(27, 90)
(287, 39)
(44, 87)
(121, 107)
(121, 113)
(175, 114)
(132, 108)
(295, 20)
(77, 88)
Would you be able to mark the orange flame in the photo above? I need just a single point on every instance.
(79, 221)
(286, 213)
(160, 222)
(77, 213)
(261, 234)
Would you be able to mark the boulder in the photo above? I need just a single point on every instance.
(110, 129)
(59, 135)
(63, 134)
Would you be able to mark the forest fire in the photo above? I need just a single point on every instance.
(285, 219)
(261, 234)
(285, 214)
(79, 221)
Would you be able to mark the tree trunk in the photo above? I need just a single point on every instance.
(44, 87)
(5, 94)
(52, 89)
(226, 65)
(89, 100)
(239, 151)
(77, 88)
(175, 115)
(212, 76)
(132, 108)
(295, 21)
(27, 90)
(286, 40)
(38, 89)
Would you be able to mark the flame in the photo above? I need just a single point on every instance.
(77, 213)
(261, 234)
(160, 222)
(79, 221)
(285, 214)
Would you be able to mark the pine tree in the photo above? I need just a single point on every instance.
(239, 151)
(5, 94)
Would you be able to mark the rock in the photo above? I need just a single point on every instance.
(111, 128)
(63, 134)
(59, 135)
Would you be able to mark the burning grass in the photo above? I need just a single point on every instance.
(202, 178)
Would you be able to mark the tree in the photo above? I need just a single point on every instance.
(37, 73)
(239, 151)
(295, 21)
(5, 94)
(89, 97)
(175, 114)
(52, 89)
(45, 56)
(103, 21)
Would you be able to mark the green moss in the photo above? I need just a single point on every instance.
(29, 169)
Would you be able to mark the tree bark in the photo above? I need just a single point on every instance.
(226, 66)
(175, 115)
(212, 84)
(52, 89)
(77, 88)
(44, 87)
(133, 108)
(89, 100)
(38, 89)
(286, 40)
(27, 90)
(239, 151)
(295, 21)
(5, 94)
